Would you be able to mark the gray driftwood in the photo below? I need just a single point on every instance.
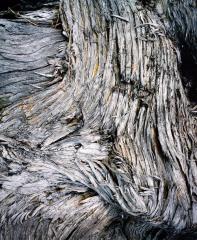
(97, 134)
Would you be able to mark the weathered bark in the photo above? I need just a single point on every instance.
(104, 148)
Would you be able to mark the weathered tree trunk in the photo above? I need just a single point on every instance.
(98, 140)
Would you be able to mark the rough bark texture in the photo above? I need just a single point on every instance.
(98, 141)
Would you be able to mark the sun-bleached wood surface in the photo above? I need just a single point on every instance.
(97, 134)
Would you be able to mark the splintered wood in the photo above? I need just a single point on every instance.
(104, 148)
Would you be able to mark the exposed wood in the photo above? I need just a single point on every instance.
(98, 140)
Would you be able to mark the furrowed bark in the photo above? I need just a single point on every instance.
(104, 148)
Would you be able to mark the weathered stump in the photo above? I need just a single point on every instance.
(98, 139)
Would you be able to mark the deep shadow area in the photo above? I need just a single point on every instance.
(186, 236)
(189, 73)
(23, 4)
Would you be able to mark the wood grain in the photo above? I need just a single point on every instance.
(98, 140)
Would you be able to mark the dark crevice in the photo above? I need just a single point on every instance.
(117, 60)
(192, 235)
(21, 5)
(71, 233)
(189, 72)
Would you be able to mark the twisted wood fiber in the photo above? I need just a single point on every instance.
(107, 151)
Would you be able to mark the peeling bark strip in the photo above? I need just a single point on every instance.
(103, 148)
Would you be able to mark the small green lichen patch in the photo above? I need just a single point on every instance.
(3, 104)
